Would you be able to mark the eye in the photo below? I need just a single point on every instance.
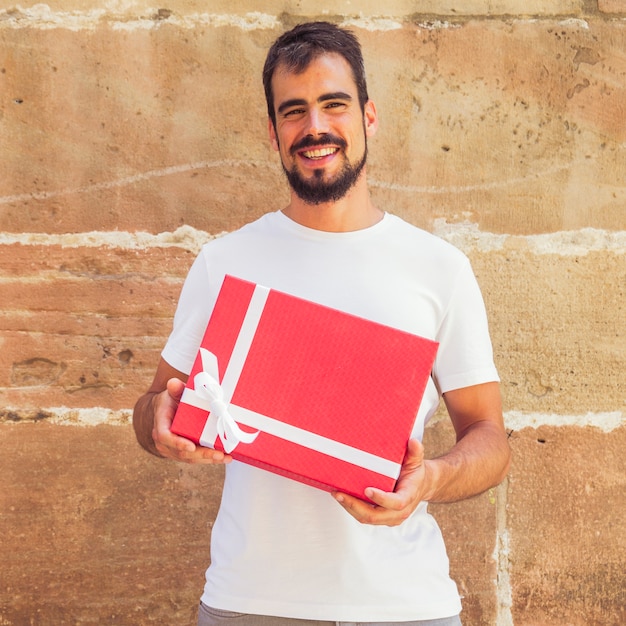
(293, 112)
(335, 105)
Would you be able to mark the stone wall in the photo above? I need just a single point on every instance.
(131, 132)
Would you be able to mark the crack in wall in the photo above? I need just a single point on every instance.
(504, 591)
(133, 179)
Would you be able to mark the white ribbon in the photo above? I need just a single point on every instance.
(208, 389)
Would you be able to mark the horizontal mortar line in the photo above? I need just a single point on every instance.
(97, 280)
(148, 341)
(65, 416)
(607, 421)
(514, 420)
(464, 235)
(467, 236)
(42, 17)
(185, 237)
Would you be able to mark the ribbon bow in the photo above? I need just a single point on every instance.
(207, 387)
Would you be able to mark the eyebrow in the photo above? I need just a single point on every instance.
(337, 95)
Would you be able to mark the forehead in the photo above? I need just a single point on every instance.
(327, 73)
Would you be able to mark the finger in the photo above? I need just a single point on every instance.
(367, 512)
(182, 449)
(356, 507)
(206, 456)
(398, 504)
(216, 456)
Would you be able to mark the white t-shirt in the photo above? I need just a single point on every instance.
(283, 548)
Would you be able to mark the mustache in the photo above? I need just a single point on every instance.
(323, 140)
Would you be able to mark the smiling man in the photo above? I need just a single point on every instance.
(284, 553)
(322, 133)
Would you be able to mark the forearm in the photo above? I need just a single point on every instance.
(479, 460)
(143, 422)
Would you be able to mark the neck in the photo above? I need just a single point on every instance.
(355, 211)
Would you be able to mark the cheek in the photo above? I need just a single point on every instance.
(281, 141)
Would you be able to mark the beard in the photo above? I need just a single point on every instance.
(316, 190)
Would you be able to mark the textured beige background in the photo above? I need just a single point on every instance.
(130, 133)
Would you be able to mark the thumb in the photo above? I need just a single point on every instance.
(414, 456)
(175, 388)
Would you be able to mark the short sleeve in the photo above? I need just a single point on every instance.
(465, 355)
(191, 318)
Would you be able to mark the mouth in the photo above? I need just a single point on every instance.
(319, 153)
(318, 149)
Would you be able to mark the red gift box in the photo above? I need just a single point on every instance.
(305, 391)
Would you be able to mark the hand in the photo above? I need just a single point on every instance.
(172, 446)
(392, 508)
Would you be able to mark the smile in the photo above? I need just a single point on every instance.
(319, 153)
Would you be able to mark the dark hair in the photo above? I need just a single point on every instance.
(298, 47)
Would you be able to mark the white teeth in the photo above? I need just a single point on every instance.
(318, 154)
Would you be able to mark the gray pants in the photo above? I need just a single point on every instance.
(208, 616)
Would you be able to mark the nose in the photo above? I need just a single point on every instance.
(317, 123)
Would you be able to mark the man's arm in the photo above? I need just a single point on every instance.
(152, 421)
(479, 460)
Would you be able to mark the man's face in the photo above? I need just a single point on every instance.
(321, 132)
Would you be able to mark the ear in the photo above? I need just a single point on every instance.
(272, 133)
(370, 117)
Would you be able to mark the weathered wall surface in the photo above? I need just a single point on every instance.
(131, 132)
